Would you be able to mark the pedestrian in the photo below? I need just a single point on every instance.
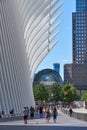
(25, 115)
(47, 114)
(12, 113)
(27, 112)
(41, 111)
(32, 110)
(55, 113)
(0, 115)
(70, 111)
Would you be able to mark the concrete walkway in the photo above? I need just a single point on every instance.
(63, 121)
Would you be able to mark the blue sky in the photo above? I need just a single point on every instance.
(62, 52)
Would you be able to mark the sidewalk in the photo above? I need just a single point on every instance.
(62, 120)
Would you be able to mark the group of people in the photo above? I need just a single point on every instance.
(48, 112)
(54, 114)
(27, 112)
(30, 113)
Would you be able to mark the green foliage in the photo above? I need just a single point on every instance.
(41, 92)
(68, 93)
(56, 92)
(84, 96)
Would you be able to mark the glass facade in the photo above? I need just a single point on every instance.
(76, 73)
(79, 27)
(47, 75)
(56, 67)
(81, 5)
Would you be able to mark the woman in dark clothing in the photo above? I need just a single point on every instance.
(55, 113)
(32, 112)
(41, 111)
(70, 112)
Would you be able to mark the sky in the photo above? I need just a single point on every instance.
(62, 52)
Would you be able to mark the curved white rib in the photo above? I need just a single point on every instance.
(28, 31)
(42, 15)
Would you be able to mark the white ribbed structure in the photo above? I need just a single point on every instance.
(26, 36)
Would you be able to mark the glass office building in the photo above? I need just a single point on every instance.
(56, 67)
(48, 77)
(79, 28)
(76, 73)
(81, 5)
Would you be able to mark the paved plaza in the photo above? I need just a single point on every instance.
(64, 122)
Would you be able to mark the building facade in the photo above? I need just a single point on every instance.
(77, 73)
(68, 73)
(79, 31)
(56, 67)
(47, 77)
(27, 31)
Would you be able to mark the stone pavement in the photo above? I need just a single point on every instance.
(64, 122)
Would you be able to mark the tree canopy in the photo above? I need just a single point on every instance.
(56, 92)
(84, 96)
(68, 93)
(41, 92)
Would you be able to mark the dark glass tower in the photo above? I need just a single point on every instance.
(81, 5)
(79, 28)
(76, 73)
(56, 67)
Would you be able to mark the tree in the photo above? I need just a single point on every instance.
(68, 93)
(56, 92)
(41, 92)
(84, 96)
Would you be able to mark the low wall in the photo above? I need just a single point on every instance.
(77, 115)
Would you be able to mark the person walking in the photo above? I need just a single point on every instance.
(25, 115)
(70, 111)
(32, 110)
(27, 109)
(41, 111)
(55, 113)
(47, 114)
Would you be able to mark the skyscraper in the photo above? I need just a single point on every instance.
(76, 73)
(81, 6)
(56, 67)
(79, 29)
